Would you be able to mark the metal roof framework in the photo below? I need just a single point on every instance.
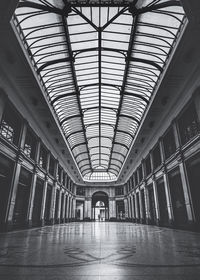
(99, 62)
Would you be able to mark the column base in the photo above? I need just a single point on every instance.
(52, 221)
(142, 221)
(29, 224)
(112, 219)
(87, 219)
(42, 222)
(57, 221)
(62, 220)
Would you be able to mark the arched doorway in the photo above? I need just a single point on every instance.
(100, 206)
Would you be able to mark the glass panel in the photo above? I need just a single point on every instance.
(99, 63)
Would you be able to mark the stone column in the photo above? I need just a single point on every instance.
(126, 207)
(141, 208)
(156, 201)
(32, 195)
(63, 210)
(168, 197)
(133, 208)
(89, 208)
(13, 193)
(112, 215)
(136, 207)
(69, 208)
(129, 208)
(114, 208)
(146, 199)
(44, 200)
(74, 208)
(59, 205)
(186, 190)
(53, 203)
(183, 174)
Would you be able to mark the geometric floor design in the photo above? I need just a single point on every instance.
(100, 251)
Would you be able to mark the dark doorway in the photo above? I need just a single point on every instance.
(57, 220)
(164, 218)
(177, 196)
(61, 208)
(100, 206)
(143, 220)
(37, 205)
(193, 170)
(22, 198)
(6, 171)
(79, 210)
(138, 207)
(120, 209)
(152, 207)
(48, 205)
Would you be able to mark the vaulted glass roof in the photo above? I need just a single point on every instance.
(99, 63)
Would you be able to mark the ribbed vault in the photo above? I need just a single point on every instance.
(99, 63)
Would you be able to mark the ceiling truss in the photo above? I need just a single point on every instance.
(100, 62)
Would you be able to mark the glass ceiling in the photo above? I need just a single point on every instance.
(99, 63)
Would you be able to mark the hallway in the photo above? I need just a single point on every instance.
(100, 251)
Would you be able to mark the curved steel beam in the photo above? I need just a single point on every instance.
(121, 144)
(82, 153)
(96, 49)
(98, 147)
(97, 136)
(126, 132)
(66, 59)
(79, 144)
(137, 95)
(34, 5)
(70, 117)
(129, 117)
(119, 154)
(97, 84)
(145, 61)
(72, 133)
(61, 96)
(102, 123)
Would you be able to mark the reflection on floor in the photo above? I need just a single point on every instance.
(100, 251)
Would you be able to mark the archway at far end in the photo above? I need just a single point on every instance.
(100, 206)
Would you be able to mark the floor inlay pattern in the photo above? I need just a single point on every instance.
(101, 250)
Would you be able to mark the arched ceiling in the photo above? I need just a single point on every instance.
(99, 63)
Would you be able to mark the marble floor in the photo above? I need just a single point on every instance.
(100, 251)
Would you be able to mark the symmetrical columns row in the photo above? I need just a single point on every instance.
(140, 211)
(66, 201)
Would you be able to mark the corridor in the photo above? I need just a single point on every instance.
(100, 251)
